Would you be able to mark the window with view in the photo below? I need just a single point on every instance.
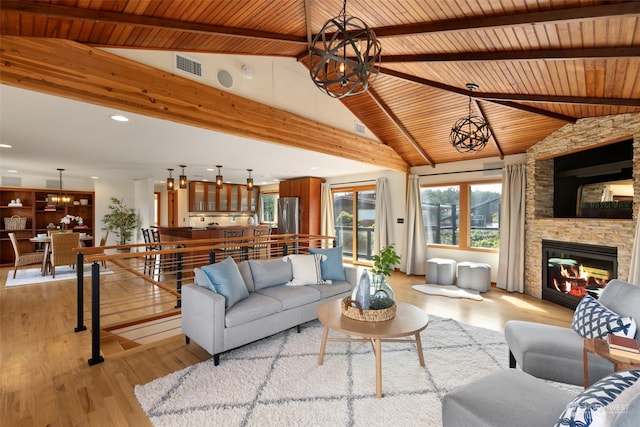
(485, 215)
(441, 213)
(268, 211)
(465, 215)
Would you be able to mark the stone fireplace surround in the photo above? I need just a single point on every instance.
(539, 221)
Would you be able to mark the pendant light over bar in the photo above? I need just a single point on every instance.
(182, 182)
(219, 179)
(344, 57)
(170, 180)
(249, 181)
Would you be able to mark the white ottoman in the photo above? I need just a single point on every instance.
(474, 275)
(441, 271)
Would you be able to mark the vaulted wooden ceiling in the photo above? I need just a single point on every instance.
(540, 64)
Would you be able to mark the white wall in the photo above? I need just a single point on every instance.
(104, 190)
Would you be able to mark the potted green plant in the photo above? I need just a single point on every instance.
(121, 221)
(383, 263)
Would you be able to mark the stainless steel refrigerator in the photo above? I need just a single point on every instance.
(288, 215)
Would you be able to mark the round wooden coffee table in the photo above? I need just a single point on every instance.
(409, 320)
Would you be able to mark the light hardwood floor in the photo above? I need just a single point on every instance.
(46, 380)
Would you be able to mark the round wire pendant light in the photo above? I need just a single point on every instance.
(470, 133)
(344, 57)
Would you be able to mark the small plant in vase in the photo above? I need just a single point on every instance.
(383, 263)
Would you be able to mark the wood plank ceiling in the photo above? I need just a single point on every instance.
(540, 64)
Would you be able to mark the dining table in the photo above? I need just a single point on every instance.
(46, 241)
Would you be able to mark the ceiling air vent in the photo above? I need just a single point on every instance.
(359, 128)
(188, 65)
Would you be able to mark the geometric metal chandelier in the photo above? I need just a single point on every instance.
(470, 133)
(344, 57)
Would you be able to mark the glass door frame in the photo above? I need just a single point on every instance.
(354, 227)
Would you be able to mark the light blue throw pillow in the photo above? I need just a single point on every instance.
(331, 267)
(593, 320)
(611, 398)
(227, 281)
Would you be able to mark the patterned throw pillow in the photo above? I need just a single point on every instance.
(605, 401)
(593, 320)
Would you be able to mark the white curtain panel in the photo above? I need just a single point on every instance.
(383, 233)
(634, 267)
(511, 260)
(414, 259)
(327, 226)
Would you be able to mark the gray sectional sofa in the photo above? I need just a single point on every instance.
(270, 296)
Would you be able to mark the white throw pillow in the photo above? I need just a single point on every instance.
(306, 270)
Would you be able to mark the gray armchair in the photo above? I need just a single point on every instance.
(555, 353)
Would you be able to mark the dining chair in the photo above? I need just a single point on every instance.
(27, 258)
(62, 245)
(260, 235)
(103, 242)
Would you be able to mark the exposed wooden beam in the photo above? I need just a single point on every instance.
(530, 109)
(307, 21)
(93, 15)
(72, 70)
(480, 110)
(628, 102)
(518, 55)
(516, 19)
(394, 119)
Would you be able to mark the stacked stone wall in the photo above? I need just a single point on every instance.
(539, 221)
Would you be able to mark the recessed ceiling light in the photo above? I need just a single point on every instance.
(12, 171)
(95, 177)
(314, 167)
(5, 146)
(119, 118)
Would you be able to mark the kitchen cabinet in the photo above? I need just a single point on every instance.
(309, 192)
(35, 209)
(205, 197)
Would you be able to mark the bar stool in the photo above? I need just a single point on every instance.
(260, 235)
(234, 249)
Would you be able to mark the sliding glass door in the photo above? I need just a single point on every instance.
(354, 215)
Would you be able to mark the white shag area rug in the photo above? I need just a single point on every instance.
(277, 381)
(448, 291)
(31, 276)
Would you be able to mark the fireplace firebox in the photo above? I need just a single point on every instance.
(571, 270)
